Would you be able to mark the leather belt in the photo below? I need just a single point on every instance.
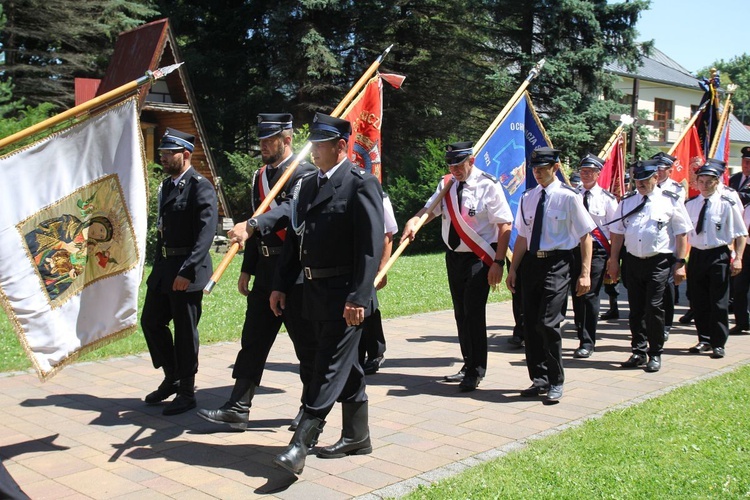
(175, 251)
(550, 253)
(267, 251)
(325, 272)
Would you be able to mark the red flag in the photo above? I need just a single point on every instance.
(365, 114)
(689, 156)
(612, 177)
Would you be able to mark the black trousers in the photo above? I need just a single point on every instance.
(646, 281)
(545, 288)
(586, 307)
(178, 356)
(741, 285)
(337, 374)
(260, 330)
(372, 344)
(9, 488)
(708, 278)
(467, 280)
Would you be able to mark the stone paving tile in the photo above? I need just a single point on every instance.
(87, 433)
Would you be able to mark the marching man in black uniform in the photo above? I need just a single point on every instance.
(551, 221)
(187, 224)
(718, 223)
(652, 224)
(335, 238)
(476, 230)
(266, 235)
(601, 205)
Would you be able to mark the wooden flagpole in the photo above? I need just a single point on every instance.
(479, 144)
(87, 106)
(234, 248)
(722, 120)
(625, 120)
(689, 125)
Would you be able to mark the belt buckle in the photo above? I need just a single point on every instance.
(264, 251)
(308, 273)
(541, 255)
(164, 252)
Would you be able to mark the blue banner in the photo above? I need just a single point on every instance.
(507, 152)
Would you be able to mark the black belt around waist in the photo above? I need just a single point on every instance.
(175, 251)
(267, 251)
(539, 254)
(325, 272)
(657, 256)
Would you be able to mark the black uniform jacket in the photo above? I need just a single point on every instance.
(271, 223)
(744, 191)
(339, 227)
(189, 219)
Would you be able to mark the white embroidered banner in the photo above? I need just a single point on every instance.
(72, 237)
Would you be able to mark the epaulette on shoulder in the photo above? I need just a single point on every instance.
(491, 177)
(358, 172)
(677, 185)
(568, 186)
(730, 189)
(671, 194)
(610, 195)
(530, 189)
(730, 200)
(308, 174)
(628, 194)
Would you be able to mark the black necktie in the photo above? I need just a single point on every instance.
(701, 216)
(453, 239)
(586, 200)
(536, 231)
(321, 182)
(634, 211)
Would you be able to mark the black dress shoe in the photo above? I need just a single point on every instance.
(554, 395)
(654, 364)
(373, 365)
(634, 361)
(700, 347)
(666, 334)
(611, 314)
(583, 352)
(516, 341)
(686, 318)
(458, 377)
(469, 383)
(718, 352)
(535, 390)
(739, 330)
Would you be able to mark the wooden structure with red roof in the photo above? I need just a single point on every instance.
(169, 102)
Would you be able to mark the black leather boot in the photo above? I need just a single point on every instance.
(236, 411)
(295, 423)
(185, 399)
(613, 312)
(304, 439)
(355, 433)
(167, 387)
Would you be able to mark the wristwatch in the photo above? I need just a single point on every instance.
(252, 223)
(501, 262)
(681, 261)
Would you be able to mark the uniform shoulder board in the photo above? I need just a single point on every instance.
(608, 194)
(568, 186)
(198, 177)
(358, 171)
(727, 198)
(629, 194)
(524, 193)
(308, 174)
(491, 177)
(730, 189)
(671, 194)
(677, 186)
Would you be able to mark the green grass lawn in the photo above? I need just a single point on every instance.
(416, 284)
(691, 443)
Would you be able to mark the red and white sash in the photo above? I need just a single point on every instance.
(476, 243)
(264, 188)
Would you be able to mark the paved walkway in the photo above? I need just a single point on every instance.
(87, 433)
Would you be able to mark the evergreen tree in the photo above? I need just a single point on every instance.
(47, 44)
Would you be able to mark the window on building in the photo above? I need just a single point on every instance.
(663, 115)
